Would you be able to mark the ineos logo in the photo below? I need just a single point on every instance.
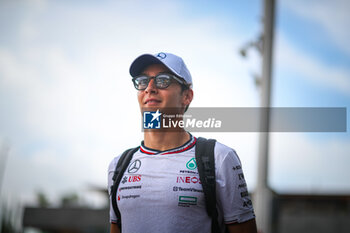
(161, 55)
(134, 166)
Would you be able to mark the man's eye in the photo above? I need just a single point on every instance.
(142, 81)
(162, 80)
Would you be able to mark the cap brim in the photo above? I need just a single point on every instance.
(141, 63)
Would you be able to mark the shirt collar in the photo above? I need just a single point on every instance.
(188, 145)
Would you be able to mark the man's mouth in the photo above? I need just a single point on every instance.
(152, 101)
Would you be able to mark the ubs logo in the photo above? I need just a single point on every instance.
(134, 166)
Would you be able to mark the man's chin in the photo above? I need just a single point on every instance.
(162, 109)
(151, 109)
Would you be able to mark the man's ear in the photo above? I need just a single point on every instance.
(187, 96)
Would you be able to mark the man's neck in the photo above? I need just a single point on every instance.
(165, 140)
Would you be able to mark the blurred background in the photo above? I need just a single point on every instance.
(68, 106)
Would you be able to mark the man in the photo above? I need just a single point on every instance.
(161, 190)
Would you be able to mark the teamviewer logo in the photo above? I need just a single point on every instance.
(151, 120)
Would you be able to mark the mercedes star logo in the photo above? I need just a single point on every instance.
(134, 166)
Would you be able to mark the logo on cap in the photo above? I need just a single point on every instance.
(161, 55)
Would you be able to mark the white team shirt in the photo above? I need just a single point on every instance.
(161, 191)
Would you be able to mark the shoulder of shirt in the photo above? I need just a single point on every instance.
(221, 149)
(113, 163)
(225, 153)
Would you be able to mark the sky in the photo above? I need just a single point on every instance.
(68, 106)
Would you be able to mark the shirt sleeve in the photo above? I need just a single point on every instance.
(111, 169)
(231, 189)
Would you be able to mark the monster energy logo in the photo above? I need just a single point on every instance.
(191, 164)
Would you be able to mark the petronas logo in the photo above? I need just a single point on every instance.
(191, 164)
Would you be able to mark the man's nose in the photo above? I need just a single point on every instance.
(151, 88)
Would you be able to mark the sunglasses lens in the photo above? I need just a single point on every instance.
(163, 81)
(141, 82)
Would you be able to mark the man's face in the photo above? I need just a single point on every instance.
(171, 97)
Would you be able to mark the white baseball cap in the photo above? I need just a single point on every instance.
(171, 61)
